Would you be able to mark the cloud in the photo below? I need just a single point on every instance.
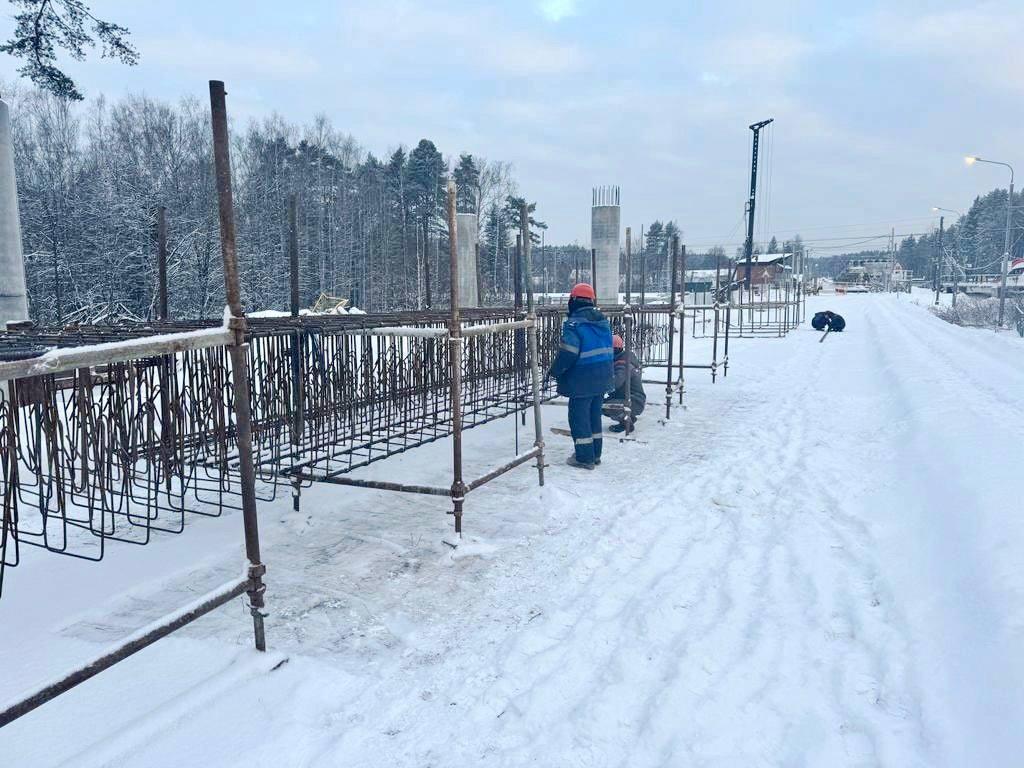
(981, 43)
(767, 57)
(556, 10)
(212, 55)
(475, 37)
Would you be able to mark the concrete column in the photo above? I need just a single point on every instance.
(13, 299)
(604, 238)
(465, 242)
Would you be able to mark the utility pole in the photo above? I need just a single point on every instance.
(748, 247)
(892, 252)
(938, 262)
(1006, 251)
(971, 159)
(956, 265)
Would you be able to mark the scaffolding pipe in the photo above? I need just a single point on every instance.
(239, 364)
(130, 646)
(531, 317)
(671, 325)
(458, 489)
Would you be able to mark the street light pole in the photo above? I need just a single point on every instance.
(956, 260)
(1009, 227)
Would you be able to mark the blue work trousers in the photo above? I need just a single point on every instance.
(585, 426)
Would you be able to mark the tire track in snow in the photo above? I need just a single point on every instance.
(752, 651)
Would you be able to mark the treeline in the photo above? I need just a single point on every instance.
(974, 241)
(372, 230)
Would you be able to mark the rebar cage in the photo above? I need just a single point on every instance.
(121, 451)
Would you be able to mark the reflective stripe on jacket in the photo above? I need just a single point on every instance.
(583, 365)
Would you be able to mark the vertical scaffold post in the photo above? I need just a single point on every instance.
(728, 320)
(627, 350)
(479, 274)
(643, 271)
(518, 336)
(296, 341)
(166, 363)
(161, 261)
(593, 269)
(517, 275)
(455, 362)
(717, 310)
(238, 353)
(671, 325)
(682, 318)
(531, 335)
(629, 266)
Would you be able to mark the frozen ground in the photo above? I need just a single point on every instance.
(817, 563)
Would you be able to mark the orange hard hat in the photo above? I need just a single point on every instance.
(583, 291)
(617, 342)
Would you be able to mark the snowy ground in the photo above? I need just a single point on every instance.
(817, 563)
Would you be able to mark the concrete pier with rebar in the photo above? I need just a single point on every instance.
(465, 242)
(605, 219)
(13, 301)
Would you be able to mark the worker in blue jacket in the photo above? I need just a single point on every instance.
(583, 370)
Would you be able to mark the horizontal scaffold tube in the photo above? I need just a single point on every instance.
(522, 458)
(379, 485)
(400, 330)
(68, 359)
(132, 644)
(434, 333)
(480, 330)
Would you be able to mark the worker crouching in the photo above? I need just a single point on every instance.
(583, 370)
(626, 367)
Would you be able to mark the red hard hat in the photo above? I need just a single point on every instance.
(617, 342)
(583, 291)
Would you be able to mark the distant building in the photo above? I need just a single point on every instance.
(765, 267)
(873, 272)
(703, 280)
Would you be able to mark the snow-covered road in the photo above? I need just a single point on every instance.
(817, 563)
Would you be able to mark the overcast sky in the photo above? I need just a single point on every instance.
(875, 103)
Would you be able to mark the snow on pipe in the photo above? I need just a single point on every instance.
(13, 299)
(68, 359)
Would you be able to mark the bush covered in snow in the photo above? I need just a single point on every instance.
(983, 313)
(975, 313)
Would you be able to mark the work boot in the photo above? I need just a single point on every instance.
(621, 426)
(572, 462)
